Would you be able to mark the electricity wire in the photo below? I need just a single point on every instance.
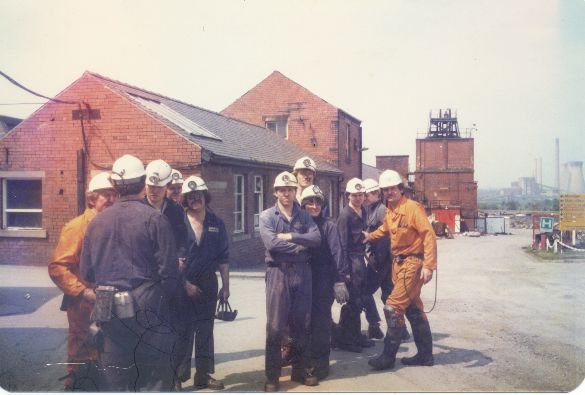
(14, 82)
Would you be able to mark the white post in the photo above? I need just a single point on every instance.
(574, 238)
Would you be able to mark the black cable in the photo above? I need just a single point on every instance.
(33, 92)
(436, 286)
(85, 139)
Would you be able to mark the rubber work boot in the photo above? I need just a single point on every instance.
(305, 377)
(387, 359)
(374, 332)
(423, 340)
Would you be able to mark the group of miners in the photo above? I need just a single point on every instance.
(138, 270)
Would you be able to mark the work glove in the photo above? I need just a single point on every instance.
(341, 294)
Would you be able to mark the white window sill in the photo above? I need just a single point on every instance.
(27, 233)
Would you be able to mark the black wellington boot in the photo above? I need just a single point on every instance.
(387, 359)
(423, 339)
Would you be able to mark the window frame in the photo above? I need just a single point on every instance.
(277, 121)
(5, 230)
(258, 193)
(239, 195)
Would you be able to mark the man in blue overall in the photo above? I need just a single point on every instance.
(129, 252)
(287, 232)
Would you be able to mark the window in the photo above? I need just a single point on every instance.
(347, 144)
(22, 203)
(258, 199)
(278, 125)
(239, 203)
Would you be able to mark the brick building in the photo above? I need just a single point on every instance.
(303, 118)
(47, 160)
(445, 170)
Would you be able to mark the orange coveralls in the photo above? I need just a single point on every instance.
(64, 271)
(410, 234)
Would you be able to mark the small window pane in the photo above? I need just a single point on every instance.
(24, 220)
(23, 194)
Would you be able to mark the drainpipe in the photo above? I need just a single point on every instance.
(80, 182)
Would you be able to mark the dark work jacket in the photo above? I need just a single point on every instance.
(330, 253)
(379, 249)
(176, 216)
(128, 244)
(213, 250)
(350, 227)
(305, 234)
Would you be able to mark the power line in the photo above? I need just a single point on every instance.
(14, 82)
(18, 104)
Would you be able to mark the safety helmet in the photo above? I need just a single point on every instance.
(312, 191)
(176, 177)
(305, 163)
(158, 173)
(285, 179)
(100, 181)
(192, 184)
(127, 169)
(371, 185)
(389, 178)
(355, 185)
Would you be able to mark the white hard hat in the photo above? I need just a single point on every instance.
(192, 184)
(127, 168)
(285, 179)
(158, 173)
(355, 185)
(312, 191)
(100, 181)
(371, 185)
(176, 177)
(305, 163)
(389, 178)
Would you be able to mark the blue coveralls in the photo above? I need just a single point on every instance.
(351, 226)
(176, 216)
(379, 272)
(202, 263)
(328, 265)
(131, 247)
(288, 283)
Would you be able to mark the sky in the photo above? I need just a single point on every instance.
(514, 70)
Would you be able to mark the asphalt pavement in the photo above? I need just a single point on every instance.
(503, 321)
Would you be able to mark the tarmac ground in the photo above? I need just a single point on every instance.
(503, 321)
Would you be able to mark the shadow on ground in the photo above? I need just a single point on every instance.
(24, 300)
(31, 359)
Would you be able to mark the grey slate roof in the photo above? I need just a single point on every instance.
(240, 141)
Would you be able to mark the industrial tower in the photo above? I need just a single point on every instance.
(444, 171)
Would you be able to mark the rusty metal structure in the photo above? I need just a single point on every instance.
(444, 175)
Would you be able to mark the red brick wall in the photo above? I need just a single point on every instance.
(444, 173)
(398, 163)
(49, 139)
(313, 124)
(441, 154)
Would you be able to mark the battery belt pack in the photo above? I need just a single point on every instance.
(109, 303)
(104, 303)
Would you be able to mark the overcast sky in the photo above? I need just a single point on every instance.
(515, 68)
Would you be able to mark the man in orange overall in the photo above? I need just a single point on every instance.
(414, 251)
(79, 295)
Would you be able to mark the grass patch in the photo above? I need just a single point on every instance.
(567, 255)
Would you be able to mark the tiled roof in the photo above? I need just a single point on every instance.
(225, 138)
